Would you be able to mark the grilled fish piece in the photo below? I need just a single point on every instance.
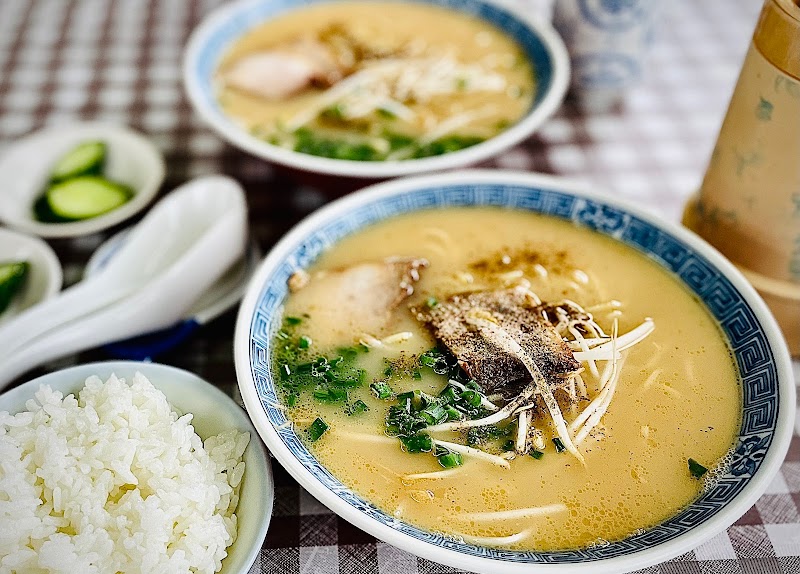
(495, 370)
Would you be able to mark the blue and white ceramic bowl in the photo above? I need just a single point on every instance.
(212, 39)
(757, 343)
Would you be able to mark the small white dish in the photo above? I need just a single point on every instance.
(45, 275)
(26, 165)
(213, 411)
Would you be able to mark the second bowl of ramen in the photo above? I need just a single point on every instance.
(371, 89)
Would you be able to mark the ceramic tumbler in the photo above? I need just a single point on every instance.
(748, 206)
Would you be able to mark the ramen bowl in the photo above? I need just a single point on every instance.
(768, 393)
(212, 40)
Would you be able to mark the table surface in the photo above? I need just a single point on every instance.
(63, 61)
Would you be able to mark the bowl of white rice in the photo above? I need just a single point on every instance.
(129, 467)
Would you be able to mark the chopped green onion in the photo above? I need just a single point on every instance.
(353, 381)
(427, 360)
(428, 400)
(397, 141)
(293, 321)
(331, 394)
(282, 335)
(285, 371)
(357, 408)
(450, 394)
(317, 429)
(416, 398)
(408, 395)
(309, 141)
(508, 446)
(471, 384)
(416, 375)
(304, 342)
(696, 469)
(559, 445)
(431, 302)
(291, 400)
(434, 414)
(381, 389)
(452, 413)
(347, 353)
(303, 368)
(450, 460)
(335, 112)
(435, 360)
(473, 398)
(537, 454)
(446, 144)
(417, 443)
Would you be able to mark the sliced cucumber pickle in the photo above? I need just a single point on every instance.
(85, 197)
(86, 159)
(12, 277)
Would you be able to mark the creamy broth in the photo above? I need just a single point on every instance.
(493, 90)
(678, 395)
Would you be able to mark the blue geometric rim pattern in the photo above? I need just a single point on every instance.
(747, 340)
(254, 13)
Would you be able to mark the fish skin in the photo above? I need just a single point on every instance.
(495, 370)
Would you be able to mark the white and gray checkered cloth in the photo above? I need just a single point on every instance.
(120, 61)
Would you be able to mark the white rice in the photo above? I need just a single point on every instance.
(114, 481)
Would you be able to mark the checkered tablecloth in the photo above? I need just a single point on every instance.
(120, 61)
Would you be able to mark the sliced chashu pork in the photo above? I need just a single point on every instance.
(317, 61)
(282, 72)
(355, 299)
(493, 368)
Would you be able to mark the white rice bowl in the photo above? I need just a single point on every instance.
(114, 481)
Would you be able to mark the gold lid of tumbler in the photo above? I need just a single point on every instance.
(776, 35)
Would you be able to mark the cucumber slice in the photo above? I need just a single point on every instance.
(85, 197)
(12, 277)
(86, 159)
(43, 213)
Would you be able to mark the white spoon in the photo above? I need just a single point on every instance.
(220, 297)
(187, 241)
